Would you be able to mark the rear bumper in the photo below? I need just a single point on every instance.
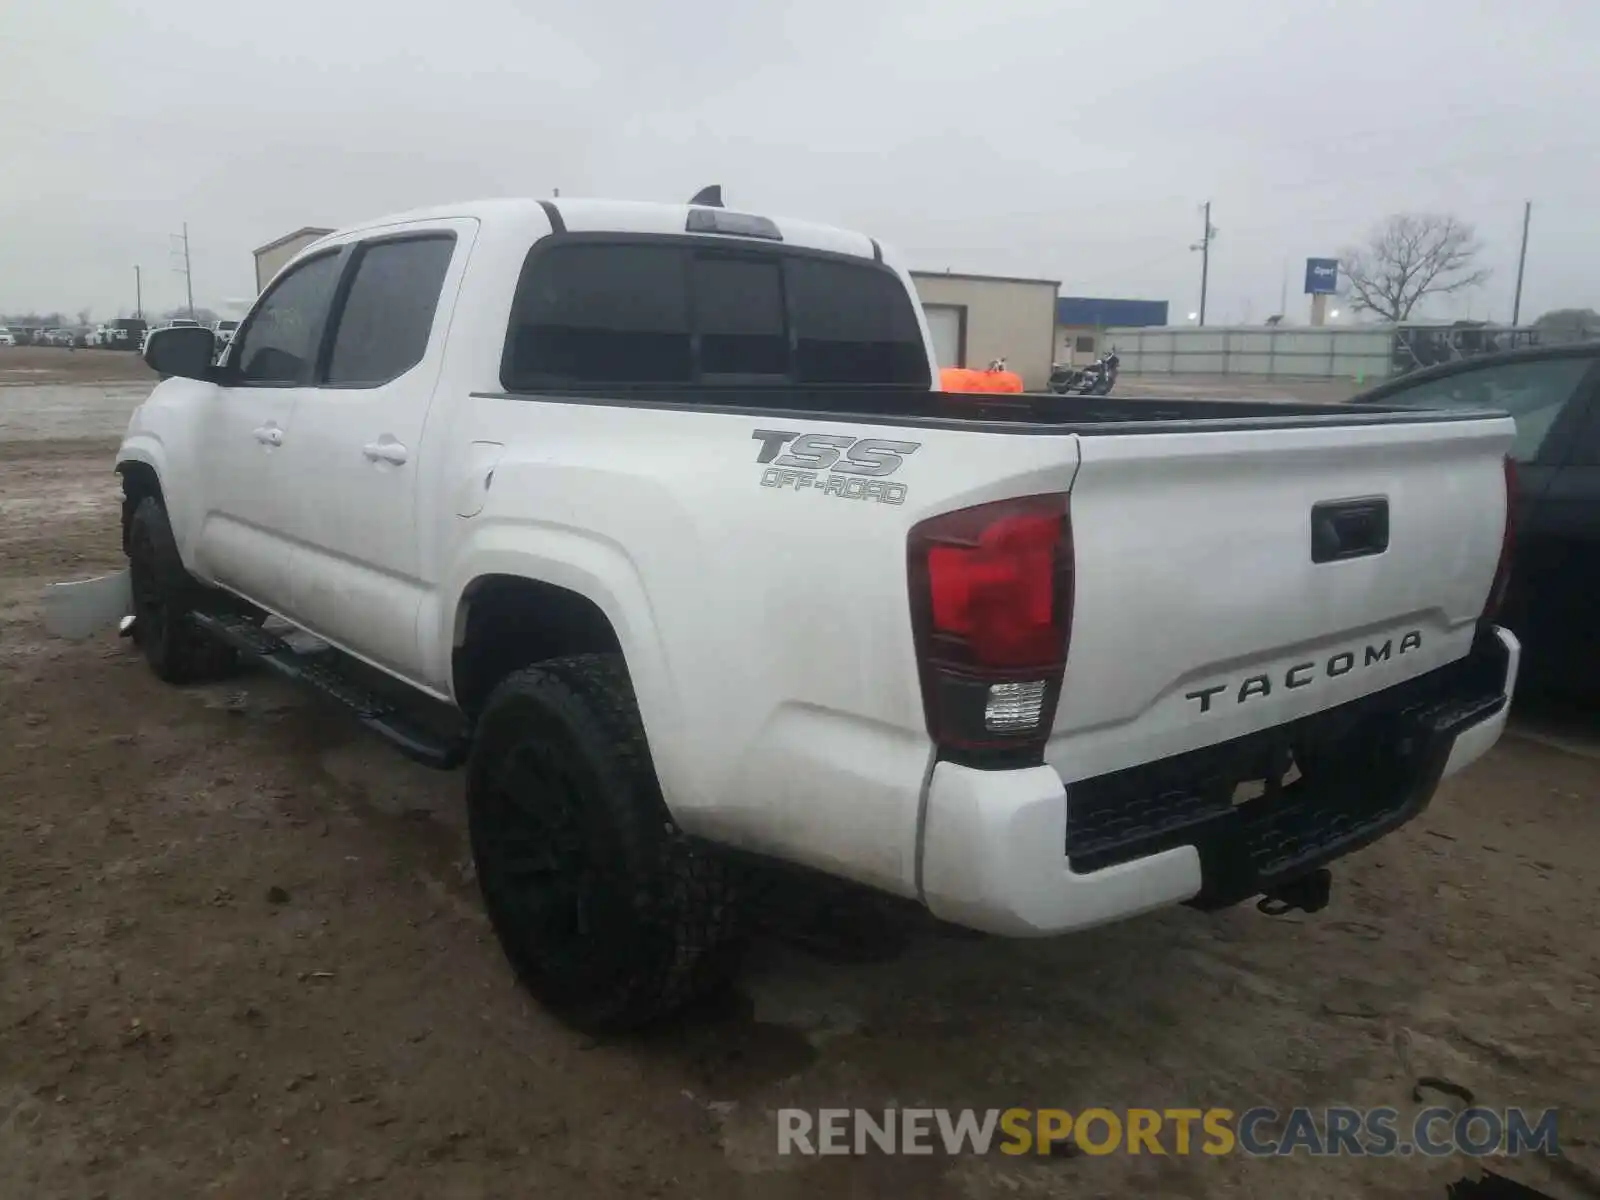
(1019, 853)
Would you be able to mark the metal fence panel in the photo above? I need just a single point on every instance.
(1326, 353)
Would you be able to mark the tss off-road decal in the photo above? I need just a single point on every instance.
(831, 464)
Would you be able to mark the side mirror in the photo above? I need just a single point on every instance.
(186, 351)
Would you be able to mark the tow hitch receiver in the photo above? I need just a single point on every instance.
(1307, 893)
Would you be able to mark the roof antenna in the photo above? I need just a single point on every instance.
(709, 197)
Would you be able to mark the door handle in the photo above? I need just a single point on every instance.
(1342, 529)
(269, 435)
(389, 452)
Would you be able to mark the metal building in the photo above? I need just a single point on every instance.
(974, 319)
(271, 258)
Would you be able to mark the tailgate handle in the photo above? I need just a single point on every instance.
(1343, 529)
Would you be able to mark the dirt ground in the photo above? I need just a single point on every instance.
(52, 365)
(241, 955)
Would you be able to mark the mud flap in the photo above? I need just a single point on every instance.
(86, 607)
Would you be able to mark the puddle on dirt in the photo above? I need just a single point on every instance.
(30, 411)
(723, 1051)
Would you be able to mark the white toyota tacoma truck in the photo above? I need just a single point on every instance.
(651, 517)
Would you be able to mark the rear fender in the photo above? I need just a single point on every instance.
(594, 569)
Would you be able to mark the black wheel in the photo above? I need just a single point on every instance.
(611, 918)
(163, 596)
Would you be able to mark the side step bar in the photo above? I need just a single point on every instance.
(385, 718)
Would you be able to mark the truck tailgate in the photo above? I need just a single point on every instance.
(1200, 612)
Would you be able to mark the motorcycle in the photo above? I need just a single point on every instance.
(1101, 375)
(1097, 379)
(1064, 377)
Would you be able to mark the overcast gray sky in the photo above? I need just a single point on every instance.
(1027, 137)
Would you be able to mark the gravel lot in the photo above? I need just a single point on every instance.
(241, 955)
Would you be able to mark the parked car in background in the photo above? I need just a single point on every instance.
(222, 333)
(1553, 394)
(126, 333)
(7, 338)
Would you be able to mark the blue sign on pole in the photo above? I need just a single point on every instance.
(1322, 276)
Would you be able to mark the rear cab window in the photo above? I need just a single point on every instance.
(611, 310)
(1535, 393)
(385, 318)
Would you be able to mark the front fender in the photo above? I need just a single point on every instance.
(161, 436)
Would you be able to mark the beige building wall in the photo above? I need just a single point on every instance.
(1013, 319)
(274, 256)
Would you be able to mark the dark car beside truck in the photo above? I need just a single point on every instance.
(1553, 393)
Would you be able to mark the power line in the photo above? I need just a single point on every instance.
(1165, 256)
(1452, 120)
(1414, 169)
(1247, 192)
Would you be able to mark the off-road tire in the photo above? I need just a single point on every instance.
(163, 596)
(609, 915)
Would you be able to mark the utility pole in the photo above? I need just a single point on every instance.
(1204, 246)
(138, 295)
(188, 277)
(1522, 261)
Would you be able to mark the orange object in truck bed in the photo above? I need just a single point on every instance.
(965, 379)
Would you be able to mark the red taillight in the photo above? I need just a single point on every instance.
(991, 593)
(1508, 538)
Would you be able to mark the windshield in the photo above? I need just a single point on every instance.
(1534, 393)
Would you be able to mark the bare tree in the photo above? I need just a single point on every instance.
(1411, 256)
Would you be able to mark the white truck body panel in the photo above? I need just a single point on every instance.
(765, 625)
(1194, 572)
